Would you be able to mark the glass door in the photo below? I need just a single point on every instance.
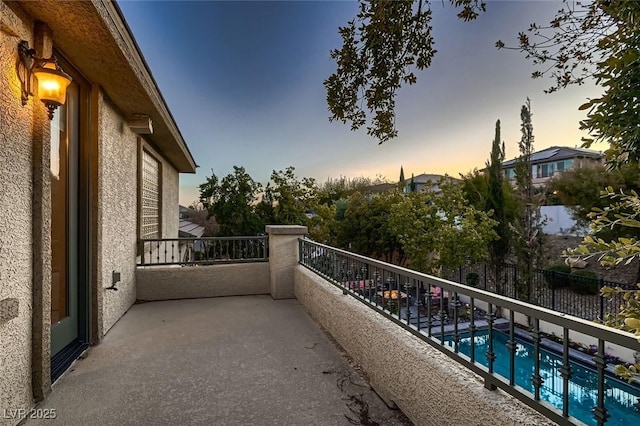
(64, 223)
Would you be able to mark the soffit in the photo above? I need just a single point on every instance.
(95, 38)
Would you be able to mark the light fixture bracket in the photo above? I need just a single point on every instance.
(27, 59)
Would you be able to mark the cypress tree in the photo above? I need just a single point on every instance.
(498, 248)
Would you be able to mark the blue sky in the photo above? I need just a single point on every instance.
(244, 83)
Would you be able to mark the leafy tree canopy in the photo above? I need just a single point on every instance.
(441, 231)
(580, 189)
(232, 201)
(365, 229)
(598, 39)
(382, 47)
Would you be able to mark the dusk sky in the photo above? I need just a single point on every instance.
(244, 83)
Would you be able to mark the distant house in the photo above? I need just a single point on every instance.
(423, 182)
(556, 159)
(183, 211)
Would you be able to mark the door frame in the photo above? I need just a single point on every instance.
(86, 174)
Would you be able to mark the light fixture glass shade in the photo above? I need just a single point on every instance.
(52, 83)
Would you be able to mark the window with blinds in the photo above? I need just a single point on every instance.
(150, 197)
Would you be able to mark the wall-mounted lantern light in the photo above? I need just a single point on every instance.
(52, 80)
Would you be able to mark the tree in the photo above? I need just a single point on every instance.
(365, 227)
(580, 190)
(527, 228)
(598, 40)
(322, 224)
(496, 202)
(382, 47)
(623, 211)
(401, 181)
(441, 231)
(292, 198)
(601, 41)
(412, 185)
(232, 201)
(341, 188)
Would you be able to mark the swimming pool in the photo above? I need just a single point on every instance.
(620, 397)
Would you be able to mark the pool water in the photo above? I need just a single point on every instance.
(583, 385)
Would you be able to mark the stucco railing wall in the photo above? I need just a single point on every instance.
(424, 383)
(167, 283)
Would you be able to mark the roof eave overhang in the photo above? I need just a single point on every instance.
(95, 38)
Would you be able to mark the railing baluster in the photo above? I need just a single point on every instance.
(429, 313)
(472, 330)
(491, 356)
(442, 314)
(600, 411)
(565, 372)
(418, 302)
(536, 378)
(511, 347)
(456, 336)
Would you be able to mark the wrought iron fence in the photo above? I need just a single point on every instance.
(567, 293)
(479, 329)
(202, 251)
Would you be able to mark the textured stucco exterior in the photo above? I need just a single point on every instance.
(283, 258)
(94, 41)
(17, 127)
(118, 203)
(160, 283)
(427, 386)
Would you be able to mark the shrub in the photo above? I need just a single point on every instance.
(473, 279)
(584, 282)
(557, 276)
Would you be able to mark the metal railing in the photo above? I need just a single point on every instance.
(456, 319)
(567, 293)
(202, 251)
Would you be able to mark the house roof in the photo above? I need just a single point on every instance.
(555, 153)
(187, 229)
(424, 178)
(95, 37)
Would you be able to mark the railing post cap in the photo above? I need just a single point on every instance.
(286, 230)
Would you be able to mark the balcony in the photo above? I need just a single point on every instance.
(426, 345)
(226, 361)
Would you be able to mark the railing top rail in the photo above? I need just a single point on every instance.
(564, 320)
(257, 237)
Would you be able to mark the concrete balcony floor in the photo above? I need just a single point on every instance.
(244, 360)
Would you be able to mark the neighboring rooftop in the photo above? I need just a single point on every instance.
(554, 153)
(187, 229)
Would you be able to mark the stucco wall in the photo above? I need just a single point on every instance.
(166, 283)
(170, 200)
(117, 199)
(16, 140)
(430, 388)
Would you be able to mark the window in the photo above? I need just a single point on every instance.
(510, 173)
(150, 197)
(547, 170)
(568, 164)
